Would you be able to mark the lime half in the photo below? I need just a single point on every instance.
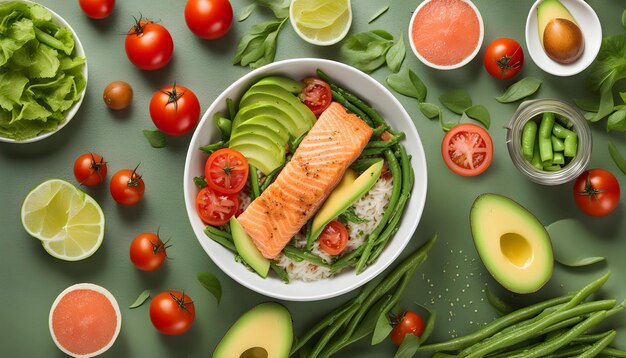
(321, 22)
(69, 222)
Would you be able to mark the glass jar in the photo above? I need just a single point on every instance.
(529, 110)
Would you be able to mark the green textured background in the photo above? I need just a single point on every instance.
(451, 281)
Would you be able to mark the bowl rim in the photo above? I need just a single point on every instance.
(468, 59)
(372, 271)
(80, 51)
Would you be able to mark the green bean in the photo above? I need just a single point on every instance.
(371, 151)
(363, 164)
(332, 329)
(545, 128)
(385, 143)
(280, 272)
(536, 159)
(210, 148)
(590, 288)
(295, 143)
(310, 240)
(560, 325)
(571, 351)
(557, 144)
(232, 112)
(560, 132)
(571, 145)
(221, 240)
(564, 121)
(254, 183)
(394, 221)
(379, 130)
(216, 231)
(590, 338)
(614, 352)
(224, 125)
(270, 177)
(599, 346)
(352, 108)
(558, 158)
(552, 168)
(296, 254)
(347, 260)
(529, 132)
(49, 40)
(328, 320)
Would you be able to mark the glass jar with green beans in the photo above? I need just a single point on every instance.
(549, 141)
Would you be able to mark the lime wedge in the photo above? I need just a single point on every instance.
(69, 222)
(321, 22)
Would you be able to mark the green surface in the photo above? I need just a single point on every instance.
(452, 279)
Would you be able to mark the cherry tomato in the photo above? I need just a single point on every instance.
(503, 58)
(117, 95)
(90, 169)
(215, 208)
(175, 110)
(172, 312)
(405, 323)
(147, 251)
(97, 9)
(149, 45)
(467, 149)
(334, 238)
(596, 192)
(209, 19)
(127, 187)
(316, 95)
(226, 171)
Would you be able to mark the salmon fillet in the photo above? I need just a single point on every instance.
(317, 166)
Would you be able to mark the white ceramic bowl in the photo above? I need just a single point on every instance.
(467, 59)
(367, 89)
(80, 51)
(317, 42)
(592, 33)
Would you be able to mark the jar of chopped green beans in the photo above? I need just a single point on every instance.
(549, 141)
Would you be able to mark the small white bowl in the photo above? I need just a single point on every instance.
(316, 42)
(370, 91)
(467, 59)
(590, 26)
(69, 114)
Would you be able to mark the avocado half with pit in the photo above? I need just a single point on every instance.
(514, 246)
(560, 34)
(264, 331)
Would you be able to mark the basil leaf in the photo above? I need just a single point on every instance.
(245, 12)
(366, 50)
(589, 104)
(382, 329)
(257, 47)
(617, 121)
(211, 283)
(407, 83)
(156, 138)
(624, 19)
(200, 182)
(617, 157)
(480, 114)
(578, 262)
(280, 8)
(395, 55)
(457, 101)
(141, 299)
(608, 68)
(519, 90)
(378, 14)
(409, 346)
(571, 241)
(431, 111)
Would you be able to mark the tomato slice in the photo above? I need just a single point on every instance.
(215, 208)
(467, 149)
(334, 238)
(226, 171)
(316, 95)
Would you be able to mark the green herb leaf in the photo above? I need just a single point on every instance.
(378, 14)
(382, 329)
(624, 19)
(368, 324)
(429, 327)
(200, 182)
(431, 111)
(257, 47)
(589, 104)
(156, 138)
(571, 242)
(479, 113)
(395, 55)
(409, 346)
(211, 283)
(280, 8)
(141, 299)
(578, 262)
(457, 101)
(349, 215)
(617, 121)
(407, 83)
(617, 157)
(245, 12)
(608, 68)
(519, 90)
(366, 50)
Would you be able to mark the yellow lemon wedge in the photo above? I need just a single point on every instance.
(321, 22)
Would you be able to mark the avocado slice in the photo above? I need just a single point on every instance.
(349, 190)
(275, 94)
(285, 83)
(247, 249)
(260, 151)
(548, 10)
(514, 246)
(264, 331)
(266, 125)
(295, 127)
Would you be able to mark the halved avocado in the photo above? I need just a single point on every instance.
(266, 125)
(349, 190)
(264, 331)
(548, 10)
(264, 159)
(295, 127)
(272, 93)
(247, 249)
(514, 246)
(285, 83)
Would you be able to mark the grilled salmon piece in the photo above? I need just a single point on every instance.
(317, 166)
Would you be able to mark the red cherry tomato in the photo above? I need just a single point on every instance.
(149, 45)
(172, 312)
(503, 58)
(316, 95)
(147, 251)
(334, 238)
(467, 149)
(175, 110)
(226, 171)
(405, 323)
(596, 192)
(215, 208)
(209, 19)
(127, 187)
(90, 169)
(97, 9)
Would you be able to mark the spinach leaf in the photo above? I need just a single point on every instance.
(257, 47)
(617, 157)
(366, 50)
(519, 90)
(395, 55)
(211, 283)
(382, 329)
(479, 113)
(378, 14)
(406, 82)
(350, 216)
(457, 101)
(200, 182)
(431, 111)
(141, 299)
(409, 346)
(156, 138)
(245, 12)
(589, 104)
(617, 121)
(608, 68)
(280, 8)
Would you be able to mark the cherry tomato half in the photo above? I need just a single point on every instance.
(90, 169)
(147, 251)
(97, 9)
(334, 238)
(127, 187)
(175, 110)
(209, 19)
(149, 45)
(215, 208)
(596, 192)
(503, 58)
(407, 322)
(316, 95)
(226, 171)
(172, 312)
(467, 149)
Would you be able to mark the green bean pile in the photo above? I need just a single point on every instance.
(549, 145)
(553, 328)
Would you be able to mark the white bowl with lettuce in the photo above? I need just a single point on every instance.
(43, 72)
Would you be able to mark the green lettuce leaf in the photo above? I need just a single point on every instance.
(37, 60)
(31, 110)
(11, 88)
(17, 36)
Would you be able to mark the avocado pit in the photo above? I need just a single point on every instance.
(516, 249)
